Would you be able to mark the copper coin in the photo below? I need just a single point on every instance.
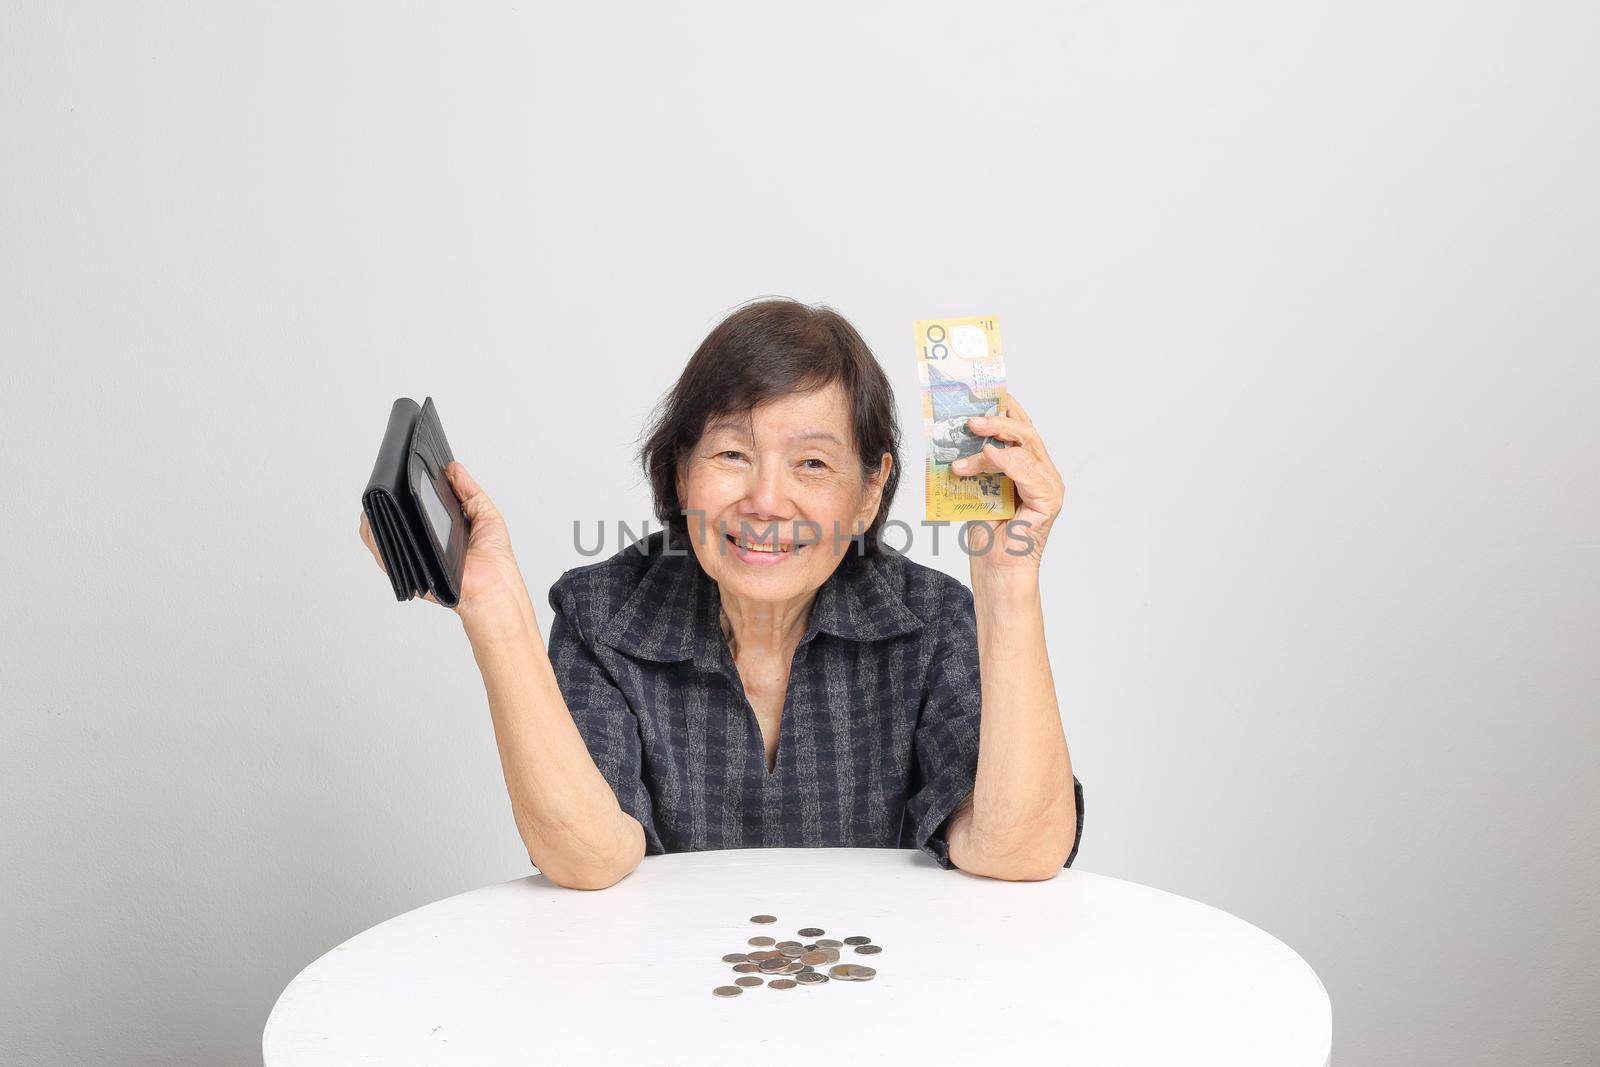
(782, 983)
(828, 942)
(760, 942)
(764, 955)
(727, 991)
(773, 966)
(745, 968)
(747, 980)
(858, 940)
(735, 957)
(814, 958)
(811, 931)
(763, 919)
(868, 950)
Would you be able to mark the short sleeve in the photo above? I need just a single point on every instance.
(609, 727)
(945, 743)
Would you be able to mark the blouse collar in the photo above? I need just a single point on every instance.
(675, 611)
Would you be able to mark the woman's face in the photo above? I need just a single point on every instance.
(765, 493)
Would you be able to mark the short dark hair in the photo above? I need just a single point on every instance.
(766, 349)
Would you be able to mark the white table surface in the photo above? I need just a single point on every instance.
(1079, 969)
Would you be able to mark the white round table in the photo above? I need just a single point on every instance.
(1080, 969)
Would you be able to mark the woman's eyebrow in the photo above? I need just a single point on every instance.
(741, 429)
(820, 435)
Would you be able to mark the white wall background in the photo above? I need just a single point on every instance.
(1303, 295)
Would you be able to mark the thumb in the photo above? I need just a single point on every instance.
(474, 501)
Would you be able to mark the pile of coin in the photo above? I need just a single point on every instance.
(774, 961)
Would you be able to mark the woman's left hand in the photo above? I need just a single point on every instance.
(1040, 493)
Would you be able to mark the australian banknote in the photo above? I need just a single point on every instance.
(962, 372)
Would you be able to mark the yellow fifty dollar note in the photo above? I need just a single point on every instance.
(962, 373)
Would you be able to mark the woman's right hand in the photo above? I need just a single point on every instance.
(490, 570)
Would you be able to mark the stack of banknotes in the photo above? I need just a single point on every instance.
(962, 373)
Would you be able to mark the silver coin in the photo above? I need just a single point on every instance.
(745, 968)
(781, 945)
(764, 955)
(862, 974)
(735, 957)
(828, 942)
(807, 969)
(858, 940)
(727, 991)
(811, 931)
(811, 978)
(811, 948)
(747, 980)
(763, 919)
(868, 950)
(782, 983)
(760, 942)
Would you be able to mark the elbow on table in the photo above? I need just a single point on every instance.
(1041, 871)
(1020, 857)
(1017, 869)
(588, 877)
(575, 861)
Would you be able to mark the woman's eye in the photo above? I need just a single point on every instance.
(731, 453)
(819, 464)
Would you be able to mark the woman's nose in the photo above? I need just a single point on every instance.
(767, 495)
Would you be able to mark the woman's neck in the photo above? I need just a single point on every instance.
(766, 627)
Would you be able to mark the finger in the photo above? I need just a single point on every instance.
(979, 463)
(1016, 410)
(474, 501)
(987, 461)
(1035, 483)
(1007, 429)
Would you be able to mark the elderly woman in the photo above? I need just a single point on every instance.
(764, 671)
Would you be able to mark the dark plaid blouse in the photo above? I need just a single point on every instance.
(878, 740)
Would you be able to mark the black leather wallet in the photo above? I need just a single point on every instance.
(415, 517)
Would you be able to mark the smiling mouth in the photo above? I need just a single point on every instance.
(769, 548)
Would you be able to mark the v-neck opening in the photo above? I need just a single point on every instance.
(730, 670)
(770, 776)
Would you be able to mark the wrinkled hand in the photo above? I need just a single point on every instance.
(1040, 492)
(491, 568)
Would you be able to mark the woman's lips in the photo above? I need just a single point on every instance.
(762, 557)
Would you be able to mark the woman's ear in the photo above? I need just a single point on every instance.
(873, 494)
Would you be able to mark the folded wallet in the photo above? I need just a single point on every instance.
(415, 517)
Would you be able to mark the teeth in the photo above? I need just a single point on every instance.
(757, 547)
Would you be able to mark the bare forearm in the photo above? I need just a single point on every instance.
(1022, 817)
(568, 817)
